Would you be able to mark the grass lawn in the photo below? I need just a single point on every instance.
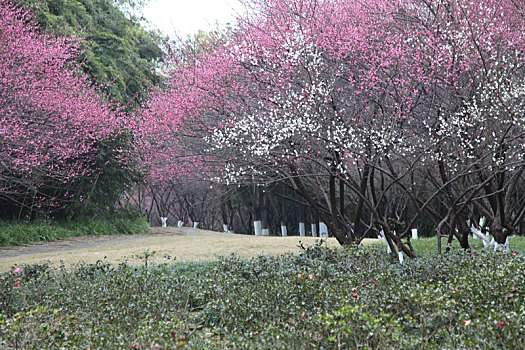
(428, 246)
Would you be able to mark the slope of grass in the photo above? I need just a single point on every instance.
(28, 232)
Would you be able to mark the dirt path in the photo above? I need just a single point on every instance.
(184, 244)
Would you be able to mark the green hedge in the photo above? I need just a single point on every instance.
(319, 299)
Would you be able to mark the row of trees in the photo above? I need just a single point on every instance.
(368, 116)
(225, 208)
(382, 115)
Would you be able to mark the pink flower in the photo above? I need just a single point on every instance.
(515, 252)
(17, 284)
(372, 281)
(17, 270)
(355, 295)
(310, 277)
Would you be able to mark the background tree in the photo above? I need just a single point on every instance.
(117, 52)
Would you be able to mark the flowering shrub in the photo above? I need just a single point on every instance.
(462, 300)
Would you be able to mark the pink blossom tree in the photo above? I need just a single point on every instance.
(406, 106)
(52, 119)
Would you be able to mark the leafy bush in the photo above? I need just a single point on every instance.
(321, 298)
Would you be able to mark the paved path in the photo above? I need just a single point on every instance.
(76, 243)
(184, 244)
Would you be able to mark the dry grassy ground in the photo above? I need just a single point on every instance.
(185, 244)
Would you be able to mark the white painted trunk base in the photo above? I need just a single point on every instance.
(488, 242)
(383, 238)
(314, 230)
(302, 230)
(265, 232)
(505, 248)
(323, 230)
(257, 228)
(164, 221)
(482, 221)
(284, 231)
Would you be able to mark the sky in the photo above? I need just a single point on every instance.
(186, 17)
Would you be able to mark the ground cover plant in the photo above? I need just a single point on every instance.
(320, 298)
(16, 233)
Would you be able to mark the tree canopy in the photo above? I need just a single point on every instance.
(118, 52)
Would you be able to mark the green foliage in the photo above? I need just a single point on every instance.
(320, 298)
(352, 327)
(29, 232)
(113, 174)
(119, 54)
